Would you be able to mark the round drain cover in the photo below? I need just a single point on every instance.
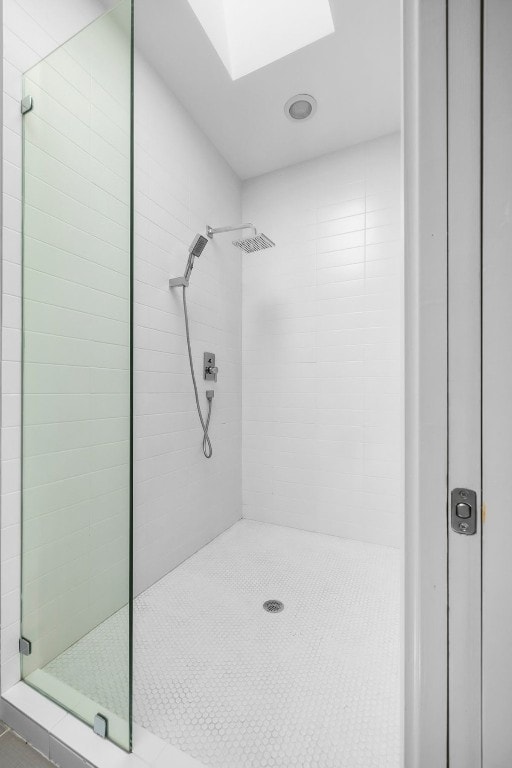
(273, 606)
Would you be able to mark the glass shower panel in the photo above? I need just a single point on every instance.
(76, 392)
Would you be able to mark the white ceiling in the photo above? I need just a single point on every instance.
(354, 74)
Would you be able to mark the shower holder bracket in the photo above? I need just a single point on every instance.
(177, 282)
(25, 646)
(100, 726)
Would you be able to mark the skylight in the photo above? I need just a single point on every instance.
(249, 34)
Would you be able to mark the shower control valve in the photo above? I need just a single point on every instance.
(210, 369)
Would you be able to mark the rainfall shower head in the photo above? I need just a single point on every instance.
(258, 242)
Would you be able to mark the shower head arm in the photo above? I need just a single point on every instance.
(211, 231)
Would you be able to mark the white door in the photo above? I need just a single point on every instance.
(497, 386)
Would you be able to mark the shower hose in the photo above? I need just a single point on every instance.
(207, 445)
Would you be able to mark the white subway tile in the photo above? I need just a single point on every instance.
(317, 465)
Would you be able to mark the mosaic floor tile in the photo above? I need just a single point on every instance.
(316, 685)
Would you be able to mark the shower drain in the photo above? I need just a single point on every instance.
(273, 606)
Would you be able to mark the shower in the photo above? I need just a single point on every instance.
(195, 250)
(257, 242)
(243, 611)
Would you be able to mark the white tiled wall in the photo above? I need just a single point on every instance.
(322, 350)
(182, 184)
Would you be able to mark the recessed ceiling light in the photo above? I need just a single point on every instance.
(300, 107)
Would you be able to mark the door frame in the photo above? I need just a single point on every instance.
(426, 383)
(442, 209)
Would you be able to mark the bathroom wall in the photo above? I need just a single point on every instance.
(322, 346)
(182, 184)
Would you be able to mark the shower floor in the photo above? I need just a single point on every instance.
(314, 686)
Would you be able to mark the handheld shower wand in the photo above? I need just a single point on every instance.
(195, 250)
(198, 245)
